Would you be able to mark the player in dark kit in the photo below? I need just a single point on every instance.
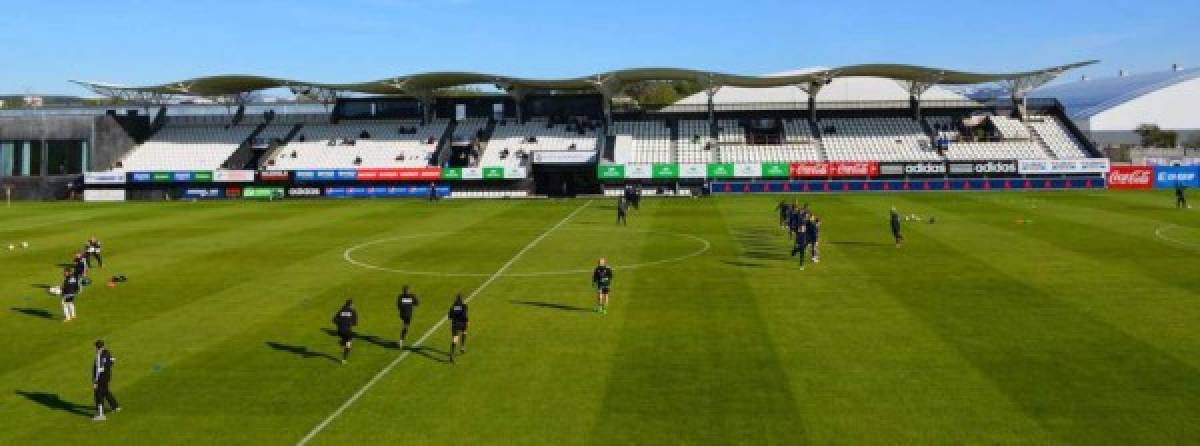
(458, 326)
(813, 228)
(69, 289)
(799, 242)
(795, 220)
(785, 210)
(81, 266)
(405, 303)
(602, 280)
(895, 222)
(102, 367)
(92, 250)
(1180, 199)
(622, 210)
(345, 319)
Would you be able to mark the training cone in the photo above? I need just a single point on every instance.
(111, 284)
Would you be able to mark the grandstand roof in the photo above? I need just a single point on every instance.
(424, 83)
(1086, 98)
(842, 89)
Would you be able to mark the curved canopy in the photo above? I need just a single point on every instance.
(424, 84)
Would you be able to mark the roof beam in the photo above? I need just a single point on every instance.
(230, 84)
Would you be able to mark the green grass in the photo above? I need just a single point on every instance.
(1080, 327)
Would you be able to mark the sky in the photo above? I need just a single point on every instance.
(133, 42)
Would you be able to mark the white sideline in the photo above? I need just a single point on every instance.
(363, 390)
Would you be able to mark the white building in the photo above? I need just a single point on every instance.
(1109, 110)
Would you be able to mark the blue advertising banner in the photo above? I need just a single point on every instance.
(1167, 177)
(906, 185)
(384, 192)
(203, 192)
(326, 175)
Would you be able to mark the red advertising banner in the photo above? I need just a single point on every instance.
(809, 169)
(817, 169)
(273, 175)
(1130, 177)
(400, 174)
(854, 169)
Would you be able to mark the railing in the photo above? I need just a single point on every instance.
(832, 105)
(173, 109)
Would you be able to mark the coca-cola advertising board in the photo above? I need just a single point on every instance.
(814, 169)
(1130, 177)
(810, 169)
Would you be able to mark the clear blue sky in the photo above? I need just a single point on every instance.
(45, 43)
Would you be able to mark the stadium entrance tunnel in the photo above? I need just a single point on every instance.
(567, 251)
(566, 181)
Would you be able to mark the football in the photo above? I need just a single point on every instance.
(55, 291)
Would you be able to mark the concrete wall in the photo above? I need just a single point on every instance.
(109, 144)
(47, 127)
(107, 140)
(40, 188)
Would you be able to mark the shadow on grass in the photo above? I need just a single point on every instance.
(33, 312)
(743, 264)
(44, 286)
(431, 353)
(53, 401)
(761, 244)
(858, 243)
(65, 265)
(550, 305)
(300, 351)
(370, 339)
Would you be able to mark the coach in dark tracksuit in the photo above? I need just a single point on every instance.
(622, 210)
(102, 367)
(405, 303)
(1180, 199)
(345, 319)
(895, 222)
(458, 326)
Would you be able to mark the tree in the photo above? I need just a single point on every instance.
(1152, 136)
(659, 95)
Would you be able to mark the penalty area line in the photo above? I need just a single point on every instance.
(371, 383)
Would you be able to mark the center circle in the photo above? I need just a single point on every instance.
(1179, 235)
(358, 255)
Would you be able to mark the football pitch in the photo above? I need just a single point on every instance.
(1032, 318)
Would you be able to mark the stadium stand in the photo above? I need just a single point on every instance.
(797, 145)
(511, 142)
(876, 139)
(1009, 128)
(188, 143)
(365, 144)
(694, 145)
(1056, 138)
(642, 142)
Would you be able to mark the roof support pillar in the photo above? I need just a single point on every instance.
(813, 88)
(916, 89)
(428, 102)
(518, 94)
(710, 91)
(608, 87)
(1019, 87)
